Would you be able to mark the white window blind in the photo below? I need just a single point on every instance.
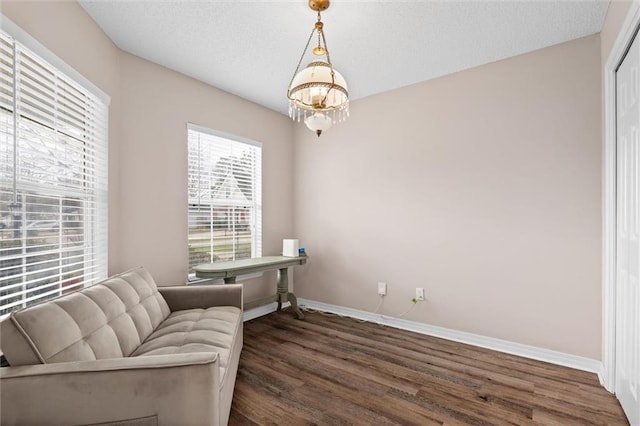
(53, 181)
(225, 197)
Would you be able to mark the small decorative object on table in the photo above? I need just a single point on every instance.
(290, 248)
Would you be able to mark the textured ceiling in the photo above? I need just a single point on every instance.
(251, 48)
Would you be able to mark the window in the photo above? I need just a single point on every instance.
(225, 197)
(53, 180)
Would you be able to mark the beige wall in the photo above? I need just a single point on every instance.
(150, 107)
(156, 105)
(483, 187)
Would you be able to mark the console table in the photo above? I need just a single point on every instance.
(231, 269)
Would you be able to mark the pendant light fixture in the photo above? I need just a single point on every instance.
(318, 94)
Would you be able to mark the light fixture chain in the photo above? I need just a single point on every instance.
(324, 41)
(319, 29)
(333, 76)
(300, 62)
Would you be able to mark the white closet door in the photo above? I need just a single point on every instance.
(628, 253)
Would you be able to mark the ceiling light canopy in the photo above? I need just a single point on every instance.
(318, 94)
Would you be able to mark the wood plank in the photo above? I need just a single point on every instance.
(330, 370)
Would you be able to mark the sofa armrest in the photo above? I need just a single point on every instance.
(183, 297)
(167, 389)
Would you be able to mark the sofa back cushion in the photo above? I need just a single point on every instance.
(107, 320)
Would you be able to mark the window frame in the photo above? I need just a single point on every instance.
(93, 265)
(257, 236)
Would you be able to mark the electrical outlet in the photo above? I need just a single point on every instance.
(382, 289)
(419, 293)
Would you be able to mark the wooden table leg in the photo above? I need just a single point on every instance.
(284, 294)
(294, 305)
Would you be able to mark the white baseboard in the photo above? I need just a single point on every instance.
(261, 310)
(602, 376)
(526, 351)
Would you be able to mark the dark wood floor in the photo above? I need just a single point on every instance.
(328, 370)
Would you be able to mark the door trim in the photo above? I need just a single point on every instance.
(618, 51)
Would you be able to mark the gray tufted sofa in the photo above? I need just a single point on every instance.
(123, 352)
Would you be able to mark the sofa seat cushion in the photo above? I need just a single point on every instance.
(213, 329)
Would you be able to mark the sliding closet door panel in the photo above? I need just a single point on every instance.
(628, 253)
